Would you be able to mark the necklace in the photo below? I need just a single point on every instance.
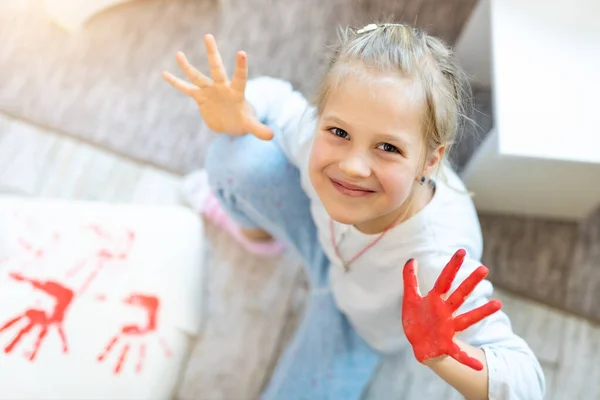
(346, 264)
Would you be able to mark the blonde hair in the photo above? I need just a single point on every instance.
(410, 52)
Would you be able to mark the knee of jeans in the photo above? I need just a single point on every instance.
(245, 163)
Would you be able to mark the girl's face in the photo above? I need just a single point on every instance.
(368, 150)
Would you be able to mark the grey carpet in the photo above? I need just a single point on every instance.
(103, 86)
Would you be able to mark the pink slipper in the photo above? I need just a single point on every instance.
(199, 196)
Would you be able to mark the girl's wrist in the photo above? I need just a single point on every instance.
(434, 362)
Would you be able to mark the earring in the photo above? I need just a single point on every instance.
(422, 180)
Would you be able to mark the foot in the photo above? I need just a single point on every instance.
(258, 235)
(198, 195)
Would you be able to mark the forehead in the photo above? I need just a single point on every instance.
(376, 100)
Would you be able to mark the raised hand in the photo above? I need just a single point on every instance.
(222, 103)
(428, 321)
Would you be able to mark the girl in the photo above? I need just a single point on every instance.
(357, 185)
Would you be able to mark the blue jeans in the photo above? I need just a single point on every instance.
(259, 188)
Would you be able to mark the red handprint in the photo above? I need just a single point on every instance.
(150, 305)
(106, 247)
(36, 317)
(428, 321)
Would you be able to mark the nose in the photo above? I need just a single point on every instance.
(355, 166)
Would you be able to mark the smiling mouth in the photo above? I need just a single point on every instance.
(350, 190)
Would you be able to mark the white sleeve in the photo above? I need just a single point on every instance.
(284, 110)
(514, 371)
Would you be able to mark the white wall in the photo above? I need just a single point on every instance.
(473, 46)
(551, 189)
(546, 57)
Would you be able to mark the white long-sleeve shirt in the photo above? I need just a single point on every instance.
(370, 294)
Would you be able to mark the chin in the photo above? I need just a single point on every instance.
(342, 217)
(345, 215)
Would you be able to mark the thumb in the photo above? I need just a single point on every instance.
(409, 276)
(259, 130)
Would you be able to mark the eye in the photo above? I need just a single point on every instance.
(389, 148)
(339, 132)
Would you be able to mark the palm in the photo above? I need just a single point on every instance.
(221, 102)
(222, 109)
(428, 321)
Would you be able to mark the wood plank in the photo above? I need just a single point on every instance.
(87, 173)
(122, 183)
(550, 372)
(32, 150)
(10, 145)
(102, 167)
(35, 161)
(583, 288)
(529, 256)
(541, 326)
(402, 377)
(578, 373)
(4, 125)
(61, 175)
(248, 307)
(157, 187)
(42, 163)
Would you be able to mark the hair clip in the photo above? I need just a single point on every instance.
(368, 28)
(372, 27)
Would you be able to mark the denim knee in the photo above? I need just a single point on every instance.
(246, 166)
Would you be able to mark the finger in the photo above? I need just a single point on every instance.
(464, 358)
(217, 69)
(409, 276)
(240, 76)
(179, 84)
(444, 281)
(461, 293)
(472, 317)
(197, 77)
(259, 130)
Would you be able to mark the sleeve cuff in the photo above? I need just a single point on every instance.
(514, 380)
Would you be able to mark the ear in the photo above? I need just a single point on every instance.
(433, 161)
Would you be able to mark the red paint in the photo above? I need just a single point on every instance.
(133, 334)
(34, 253)
(130, 341)
(428, 321)
(30, 248)
(36, 317)
(111, 248)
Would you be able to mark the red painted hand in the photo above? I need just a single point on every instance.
(428, 321)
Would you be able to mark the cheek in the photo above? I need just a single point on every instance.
(320, 155)
(396, 183)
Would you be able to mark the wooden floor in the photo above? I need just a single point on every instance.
(254, 304)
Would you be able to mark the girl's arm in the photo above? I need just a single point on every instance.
(510, 369)
(286, 112)
(470, 383)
